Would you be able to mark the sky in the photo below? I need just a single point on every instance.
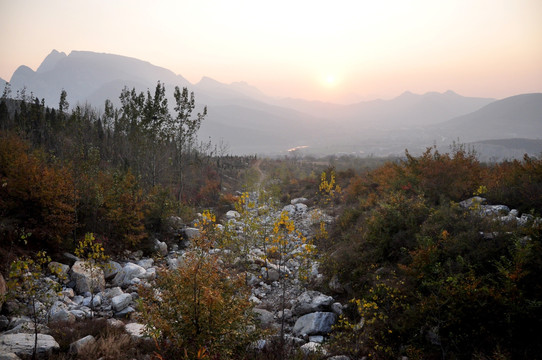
(338, 51)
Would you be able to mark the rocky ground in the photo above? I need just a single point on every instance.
(111, 294)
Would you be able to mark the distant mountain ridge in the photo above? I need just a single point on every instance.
(252, 122)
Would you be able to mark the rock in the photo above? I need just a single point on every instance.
(60, 270)
(191, 232)
(472, 203)
(312, 348)
(173, 225)
(9, 356)
(128, 272)
(337, 308)
(299, 201)
(232, 215)
(311, 301)
(124, 313)
(290, 209)
(265, 317)
(317, 323)
(87, 278)
(68, 293)
(3, 290)
(135, 330)
(339, 357)
(150, 274)
(161, 247)
(270, 274)
(145, 263)
(60, 312)
(111, 269)
(112, 292)
(301, 208)
(316, 338)
(77, 346)
(120, 302)
(490, 210)
(23, 345)
(115, 323)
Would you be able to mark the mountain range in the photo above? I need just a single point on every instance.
(252, 122)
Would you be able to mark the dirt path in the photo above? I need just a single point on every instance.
(261, 178)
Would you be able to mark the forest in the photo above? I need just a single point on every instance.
(423, 273)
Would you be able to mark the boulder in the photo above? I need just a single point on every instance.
(312, 348)
(87, 277)
(472, 203)
(299, 201)
(120, 302)
(145, 263)
(60, 312)
(232, 215)
(290, 209)
(301, 208)
(317, 323)
(23, 345)
(76, 346)
(135, 330)
(9, 356)
(265, 317)
(111, 269)
(112, 292)
(191, 232)
(128, 272)
(311, 301)
(160, 247)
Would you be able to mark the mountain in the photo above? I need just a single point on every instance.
(517, 116)
(252, 122)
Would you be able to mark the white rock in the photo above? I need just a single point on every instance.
(120, 302)
(299, 201)
(111, 269)
(23, 345)
(59, 312)
(112, 292)
(191, 232)
(76, 346)
(128, 272)
(232, 215)
(145, 263)
(87, 277)
(135, 330)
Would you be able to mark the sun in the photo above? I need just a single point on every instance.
(330, 80)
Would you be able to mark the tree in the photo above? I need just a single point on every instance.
(25, 282)
(201, 308)
(63, 104)
(95, 261)
(184, 128)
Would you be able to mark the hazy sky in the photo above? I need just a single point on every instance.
(325, 50)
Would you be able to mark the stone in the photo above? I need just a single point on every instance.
(339, 357)
(191, 232)
(337, 308)
(490, 210)
(135, 330)
(270, 274)
(145, 263)
(232, 215)
(111, 269)
(316, 323)
(299, 201)
(23, 345)
(120, 302)
(472, 203)
(70, 258)
(290, 209)
(312, 348)
(85, 279)
(77, 346)
(60, 312)
(311, 301)
(301, 208)
(161, 247)
(4, 322)
(115, 323)
(9, 356)
(124, 313)
(112, 292)
(265, 317)
(128, 272)
(316, 338)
